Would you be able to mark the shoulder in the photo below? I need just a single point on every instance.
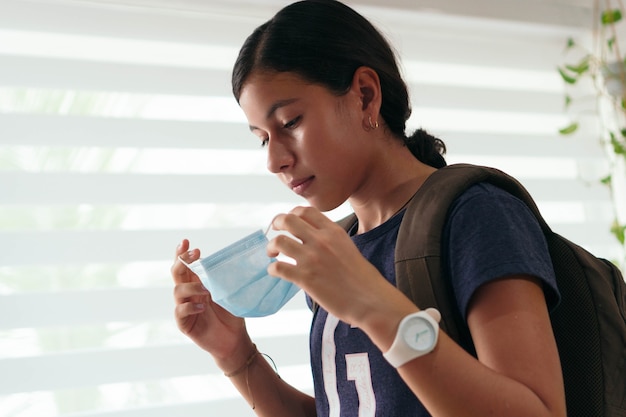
(490, 208)
(486, 194)
(490, 234)
(486, 213)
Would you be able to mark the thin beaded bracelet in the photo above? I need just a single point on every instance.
(246, 367)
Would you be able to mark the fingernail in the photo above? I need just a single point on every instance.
(199, 306)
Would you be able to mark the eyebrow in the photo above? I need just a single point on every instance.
(274, 107)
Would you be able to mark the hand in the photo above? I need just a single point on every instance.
(206, 323)
(328, 266)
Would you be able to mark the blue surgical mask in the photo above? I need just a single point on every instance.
(238, 280)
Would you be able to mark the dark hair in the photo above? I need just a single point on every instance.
(325, 41)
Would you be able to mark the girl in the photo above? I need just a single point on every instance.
(321, 89)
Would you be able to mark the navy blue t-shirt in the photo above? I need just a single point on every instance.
(489, 234)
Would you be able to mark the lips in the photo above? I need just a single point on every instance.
(298, 186)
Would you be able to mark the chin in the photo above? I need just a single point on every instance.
(324, 206)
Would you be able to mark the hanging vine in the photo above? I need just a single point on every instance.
(603, 64)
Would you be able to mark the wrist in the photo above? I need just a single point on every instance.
(245, 365)
(383, 310)
(234, 360)
(381, 326)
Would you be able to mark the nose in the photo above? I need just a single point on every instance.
(279, 156)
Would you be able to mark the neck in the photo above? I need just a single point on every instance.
(396, 190)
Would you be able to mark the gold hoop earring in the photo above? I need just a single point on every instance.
(374, 125)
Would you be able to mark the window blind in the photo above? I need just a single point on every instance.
(119, 137)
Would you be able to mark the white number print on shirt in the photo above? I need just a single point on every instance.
(358, 370)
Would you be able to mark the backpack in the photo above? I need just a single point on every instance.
(589, 324)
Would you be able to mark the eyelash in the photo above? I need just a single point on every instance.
(292, 123)
(289, 125)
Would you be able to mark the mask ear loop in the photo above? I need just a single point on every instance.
(181, 259)
(267, 230)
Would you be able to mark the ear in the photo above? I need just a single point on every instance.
(366, 84)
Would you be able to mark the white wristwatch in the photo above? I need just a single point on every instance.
(416, 336)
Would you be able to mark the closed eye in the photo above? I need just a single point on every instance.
(292, 123)
(289, 125)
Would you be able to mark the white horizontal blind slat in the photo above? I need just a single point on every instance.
(83, 368)
(96, 306)
(130, 305)
(103, 76)
(218, 408)
(574, 148)
(61, 188)
(231, 407)
(229, 26)
(34, 129)
(42, 248)
(75, 368)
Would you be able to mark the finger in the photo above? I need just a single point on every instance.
(183, 251)
(284, 245)
(293, 224)
(284, 270)
(187, 309)
(184, 311)
(312, 216)
(305, 223)
(188, 290)
(181, 248)
(179, 271)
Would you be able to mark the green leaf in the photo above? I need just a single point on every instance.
(623, 132)
(568, 101)
(618, 147)
(580, 68)
(568, 130)
(611, 16)
(606, 180)
(570, 43)
(566, 77)
(610, 42)
(619, 231)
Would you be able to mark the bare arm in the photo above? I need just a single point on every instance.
(225, 337)
(517, 372)
(267, 393)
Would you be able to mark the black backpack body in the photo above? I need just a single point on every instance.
(589, 324)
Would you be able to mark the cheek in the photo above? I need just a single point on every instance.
(330, 135)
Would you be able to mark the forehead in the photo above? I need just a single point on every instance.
(263, 90)
(265, 82)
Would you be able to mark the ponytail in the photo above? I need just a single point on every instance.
(427, 148)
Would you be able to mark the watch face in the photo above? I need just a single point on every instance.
(419, 334)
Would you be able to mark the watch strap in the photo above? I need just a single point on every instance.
(400, 352)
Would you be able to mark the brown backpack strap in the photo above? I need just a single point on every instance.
(348, 222)
(418, 247)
